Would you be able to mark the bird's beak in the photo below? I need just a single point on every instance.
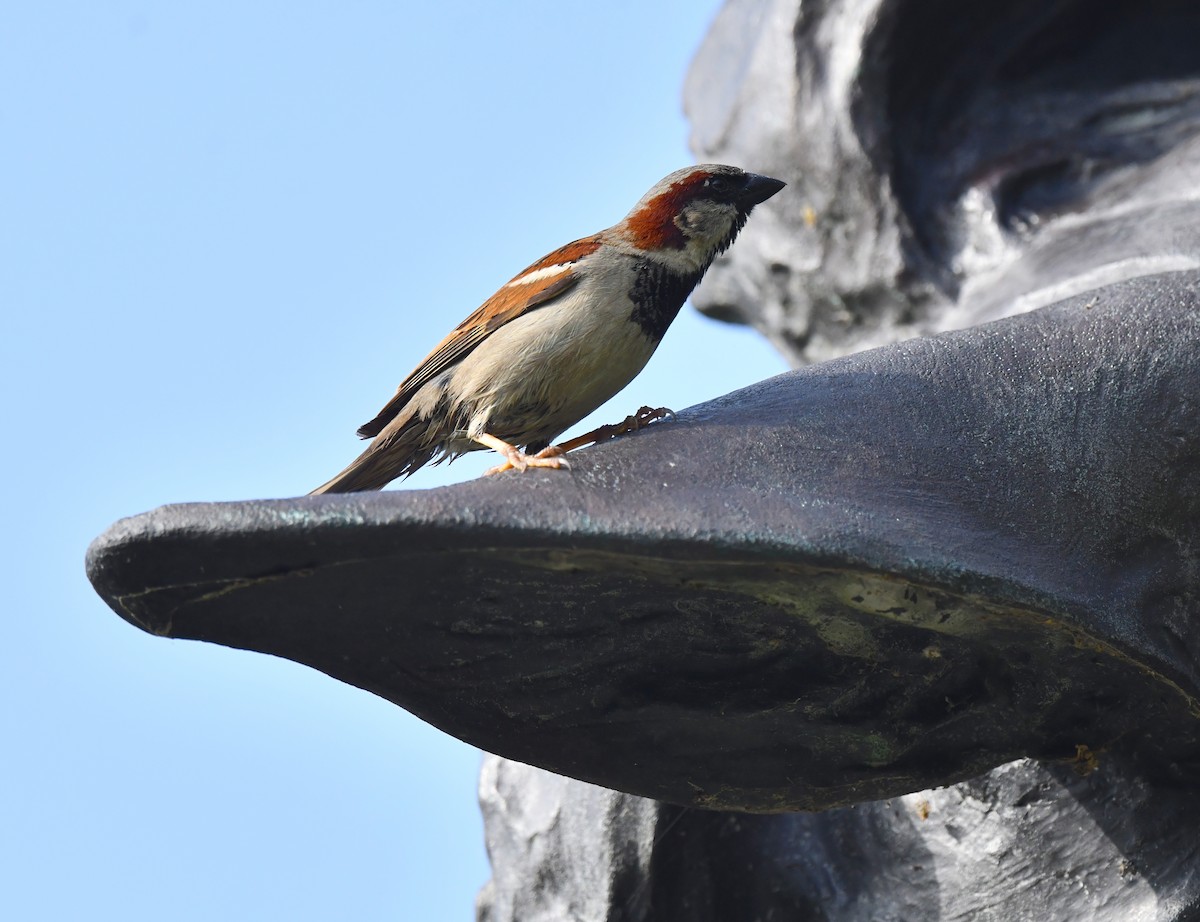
(758, 189)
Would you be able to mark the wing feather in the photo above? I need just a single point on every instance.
(536, 287)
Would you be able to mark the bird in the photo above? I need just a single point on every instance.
(561, 337)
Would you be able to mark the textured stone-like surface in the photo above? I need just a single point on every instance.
(534, 824)
(893, 570)
(947, 162)
(1028, 841)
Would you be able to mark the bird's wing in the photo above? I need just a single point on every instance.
(547, 279)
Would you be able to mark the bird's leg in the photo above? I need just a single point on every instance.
(639, 420)
(514, 457)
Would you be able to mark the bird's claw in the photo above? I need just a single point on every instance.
(515, 459)
(551, 456)
(632, 423)
(645, 416)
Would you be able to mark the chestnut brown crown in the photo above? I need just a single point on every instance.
(701, 206)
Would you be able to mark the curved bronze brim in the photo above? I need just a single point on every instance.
(867, 577)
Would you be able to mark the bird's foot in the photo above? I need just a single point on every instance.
(639, 420)
(515, 459)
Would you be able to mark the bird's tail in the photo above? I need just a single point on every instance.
(391, 455)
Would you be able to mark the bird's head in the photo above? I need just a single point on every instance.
(695, 213)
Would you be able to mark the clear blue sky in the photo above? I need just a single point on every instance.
(227, 231)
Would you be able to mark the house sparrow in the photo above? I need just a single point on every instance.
(562, 337)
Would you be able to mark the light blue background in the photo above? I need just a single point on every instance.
(227, 231)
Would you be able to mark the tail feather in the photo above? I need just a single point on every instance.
(388, 457)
